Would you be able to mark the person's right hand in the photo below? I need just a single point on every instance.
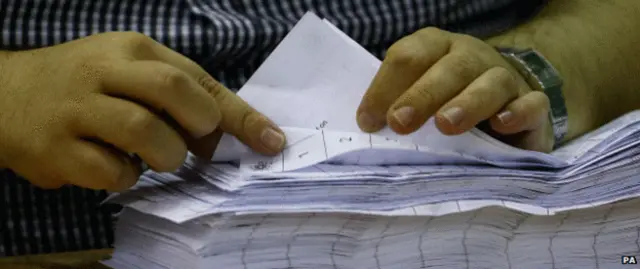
(72, 113)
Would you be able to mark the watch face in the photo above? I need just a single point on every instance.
(534, 62)
(544, 72)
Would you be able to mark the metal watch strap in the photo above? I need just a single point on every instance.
(542, 76)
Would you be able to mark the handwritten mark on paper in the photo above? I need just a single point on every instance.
(322, 125)
(262, 165)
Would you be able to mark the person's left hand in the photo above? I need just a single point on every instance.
(460, 80)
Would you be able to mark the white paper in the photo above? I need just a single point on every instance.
(312, 66)
(484, 238)
(315, 80)
(339, 198)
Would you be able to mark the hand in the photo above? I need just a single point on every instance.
(69, 114)
(460, 80)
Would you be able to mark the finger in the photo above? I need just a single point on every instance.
(132, 129)
(479, 101)
(90, 165)
(438, 85)
(406, 61)
(205, 146)
(238, 118)
(539, 139)
(165, 88)
(252, 128)
(49, 183)
(527, 113)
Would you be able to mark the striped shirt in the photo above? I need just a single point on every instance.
(229, 38)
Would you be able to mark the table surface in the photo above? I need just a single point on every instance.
(72, 260)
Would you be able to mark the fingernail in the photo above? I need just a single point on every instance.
(368, 122)
(505, 117)
(404, 115)
(454, 115)
(272, 139)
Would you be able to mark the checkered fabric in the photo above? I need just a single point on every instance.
(229, 38)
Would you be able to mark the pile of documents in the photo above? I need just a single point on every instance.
(340, 198)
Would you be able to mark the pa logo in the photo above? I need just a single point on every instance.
(629, 260)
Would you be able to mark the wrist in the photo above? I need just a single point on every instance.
(597, 59)
(541, 76)
(582, 110)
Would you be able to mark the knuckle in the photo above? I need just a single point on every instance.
(504, 79)
(425, 97)
(480, 88)
(541, 100)
(466, 40)
(135, 41)
(466, 64)
(245, 122)
(170, 158)
(448, 76)
(478, 102)
(177, 158)
(212, 118)
(92, 69)
(403, 54)
(411, 51)
(70, 113)
(220, 97)
(171, 78)
(138, 125)
(504, 75)
(168, 161)
(533, 106)
(213, 87)
(246, 119)
(430, 32)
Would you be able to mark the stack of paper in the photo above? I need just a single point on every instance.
(340, 198)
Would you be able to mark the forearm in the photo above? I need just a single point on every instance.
(593, 44)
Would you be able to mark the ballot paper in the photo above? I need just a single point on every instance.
(493, 238)
(340, 198)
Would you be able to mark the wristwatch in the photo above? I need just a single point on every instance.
(542, 76)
